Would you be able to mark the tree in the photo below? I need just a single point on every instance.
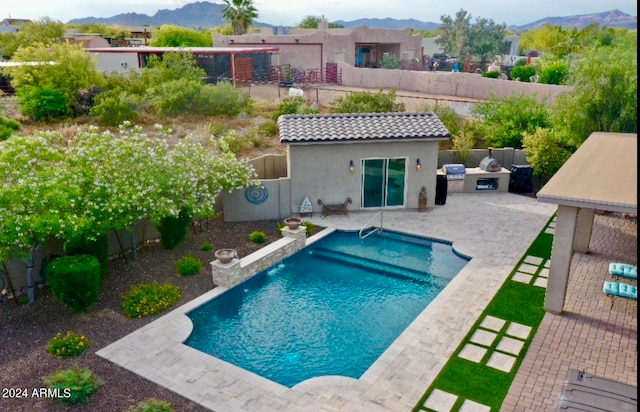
(102, 29)
(169, 35)
(36, 198)
(64, 67)
(44, 31)
(97, 182)
(313, 22)
(454, 37)
(240, 14)
(546, 151)
(547, 39)
(505, 120)
(604, 96)
(486, 40)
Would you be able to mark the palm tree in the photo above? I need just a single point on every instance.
(240, 13)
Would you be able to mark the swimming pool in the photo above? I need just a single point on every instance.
(330, 309)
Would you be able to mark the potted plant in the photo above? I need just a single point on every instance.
(293, 222)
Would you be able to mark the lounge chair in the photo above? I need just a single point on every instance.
(623, 270)
(621, 290)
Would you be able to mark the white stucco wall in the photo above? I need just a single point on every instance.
(321, 171)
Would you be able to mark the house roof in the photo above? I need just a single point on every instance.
(195, 50)
(342, 128)
(600, 175)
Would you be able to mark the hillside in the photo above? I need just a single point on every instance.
(206, 14)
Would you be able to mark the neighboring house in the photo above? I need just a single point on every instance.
(239, 65)
(12, 25)
(315, 52)
(510, 55)
(379, 160)
(89, 41)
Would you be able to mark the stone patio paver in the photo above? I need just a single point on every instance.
(583, 337)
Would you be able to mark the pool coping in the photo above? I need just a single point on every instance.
(394, 382)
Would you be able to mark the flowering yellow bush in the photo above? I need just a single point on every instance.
(68, 345)
(149, 298)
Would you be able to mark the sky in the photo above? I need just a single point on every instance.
(292, 12)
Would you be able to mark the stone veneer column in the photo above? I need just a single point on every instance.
(226, 274)
(238, 270)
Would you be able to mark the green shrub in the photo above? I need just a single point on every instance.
(98, 247)
(152, 405)
(86, 99)
(189, 265)
(310, 227)
(293, 105)
(149, 298)
(231, 142)
(8, 127)
(491, 75)
(390, 61)
(555, 72)
(268, 128)
(114, 107)
(43, 104)
(68, 345)
(367, 102)
(73, 385)
(206, 247)
(173, 229)
(258, 237)
(523, 73)
(75, 280)
(182, 96)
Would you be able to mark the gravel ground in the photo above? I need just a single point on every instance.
(26, 330)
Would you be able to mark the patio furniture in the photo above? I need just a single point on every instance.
(583, 391)
(335, 209)
(622, 290)
(623, 270)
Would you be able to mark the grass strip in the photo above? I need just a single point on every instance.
(514, 302)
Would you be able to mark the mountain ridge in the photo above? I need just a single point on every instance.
(204, 14)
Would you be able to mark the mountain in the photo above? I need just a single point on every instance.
(205, 14)
(389, 23)
(613, 18)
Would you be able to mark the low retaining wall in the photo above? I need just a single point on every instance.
(238, 270)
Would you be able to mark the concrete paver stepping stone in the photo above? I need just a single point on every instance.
(441, 401)
(472, 353)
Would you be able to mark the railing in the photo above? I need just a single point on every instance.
(363, 235)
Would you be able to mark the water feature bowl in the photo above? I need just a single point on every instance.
(293, 222)
(225, 255)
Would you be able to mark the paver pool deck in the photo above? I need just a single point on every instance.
(495, 229)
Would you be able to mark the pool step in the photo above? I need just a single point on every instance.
(377, 266)
(398, 237)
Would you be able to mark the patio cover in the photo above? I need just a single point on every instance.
(600, 175)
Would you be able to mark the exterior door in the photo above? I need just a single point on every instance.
(383, 182)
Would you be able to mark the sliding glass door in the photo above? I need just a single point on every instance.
(383, 182)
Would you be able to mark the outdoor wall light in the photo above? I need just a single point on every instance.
(418, 164)
(351, 166)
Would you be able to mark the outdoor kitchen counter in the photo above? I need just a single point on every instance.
(476, 180)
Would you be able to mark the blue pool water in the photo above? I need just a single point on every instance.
(330, 309)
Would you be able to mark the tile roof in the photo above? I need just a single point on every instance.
(335, 128)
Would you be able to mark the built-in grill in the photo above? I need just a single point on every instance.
(489, 164)
(454, 171)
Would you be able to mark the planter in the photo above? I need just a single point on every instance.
(293, 222)
(225, 255)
